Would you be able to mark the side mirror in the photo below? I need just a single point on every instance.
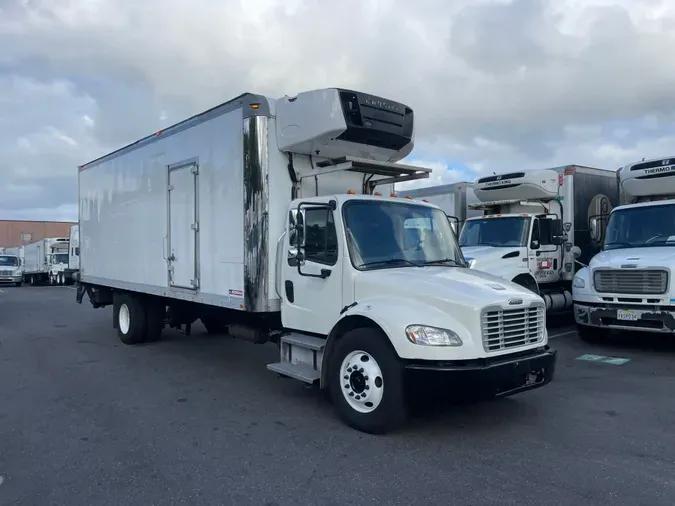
(594, 229)
(534, 244)
(299, 230)
(575, 251)
(557, 234)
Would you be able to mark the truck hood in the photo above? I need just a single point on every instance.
(641, 257)
(441, 286)
(486, 254)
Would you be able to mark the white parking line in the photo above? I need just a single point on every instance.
(568, 333)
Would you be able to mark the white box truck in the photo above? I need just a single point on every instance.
(454, 199)
(46, 261)
(11, 270)
(534, 230)
(261, 217)
(628, 286)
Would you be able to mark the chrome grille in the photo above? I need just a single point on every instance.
(633, 281)
(509, 328)
(5, 273)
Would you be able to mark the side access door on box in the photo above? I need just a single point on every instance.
(183, 226)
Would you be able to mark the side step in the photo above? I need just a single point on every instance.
(301, 357)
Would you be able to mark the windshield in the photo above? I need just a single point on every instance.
(641, 227)
(508, 231)
(388, 234)
(60, 258)
(9, 261)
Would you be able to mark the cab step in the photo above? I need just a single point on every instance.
(301, 357)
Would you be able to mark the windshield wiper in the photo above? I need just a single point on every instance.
(454, 262)
(391, 261)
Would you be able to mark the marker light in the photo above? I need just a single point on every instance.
(351, 192)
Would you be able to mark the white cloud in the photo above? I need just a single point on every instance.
(495, 85)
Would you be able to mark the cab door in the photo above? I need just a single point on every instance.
(311, 288)
(546, 249)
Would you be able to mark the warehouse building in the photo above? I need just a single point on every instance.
(18, 232)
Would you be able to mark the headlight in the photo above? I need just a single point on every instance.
(431, 336)
(577, 282)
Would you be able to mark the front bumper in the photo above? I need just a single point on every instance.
(502, 376)
(643, 318)
(11, 279)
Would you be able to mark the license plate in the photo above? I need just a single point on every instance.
(626, 315)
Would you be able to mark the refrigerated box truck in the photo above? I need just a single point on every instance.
(534, 230)
(453, 199)
(261, 217)
(46, 261)
(628, 285)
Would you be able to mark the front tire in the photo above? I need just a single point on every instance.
(366, 382)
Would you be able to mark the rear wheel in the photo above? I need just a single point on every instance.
(366, 382)
(131, 320)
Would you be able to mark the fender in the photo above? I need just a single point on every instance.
(391, 315)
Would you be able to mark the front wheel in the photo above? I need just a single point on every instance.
(366, 382)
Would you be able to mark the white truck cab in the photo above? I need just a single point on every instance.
(628, 285)
(532, 231)
(11, 270)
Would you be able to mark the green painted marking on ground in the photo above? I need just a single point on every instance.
(603, 359)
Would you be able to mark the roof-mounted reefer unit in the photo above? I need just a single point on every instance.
(535, 185)
(649, 177)
(333, 123)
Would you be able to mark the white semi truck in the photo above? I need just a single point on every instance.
(535, 228)
(453, 199)
(628, 286)
(11, 269)
(261, 217)
(46, 261)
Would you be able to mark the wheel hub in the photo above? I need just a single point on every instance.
(362, 383)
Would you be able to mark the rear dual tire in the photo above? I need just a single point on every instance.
(139, 320)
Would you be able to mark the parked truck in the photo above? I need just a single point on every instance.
(453, 199)
(260, 217)
(11, 270)
(534, 230)
(46, 261)
(628, 286)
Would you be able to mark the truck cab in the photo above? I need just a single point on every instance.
(627, 286)
(10, 269)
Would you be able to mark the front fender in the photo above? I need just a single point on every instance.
(394, 314)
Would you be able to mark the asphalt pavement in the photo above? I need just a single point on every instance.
(85, 420)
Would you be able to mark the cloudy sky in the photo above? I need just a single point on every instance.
(495, 84)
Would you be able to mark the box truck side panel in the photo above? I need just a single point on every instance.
(167, 218)
(595, 193)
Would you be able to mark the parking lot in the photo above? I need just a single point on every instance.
(199, 420)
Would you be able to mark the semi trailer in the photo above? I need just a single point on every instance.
(534, 230)
(262, 218)
(628, 285)
(453, 199)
